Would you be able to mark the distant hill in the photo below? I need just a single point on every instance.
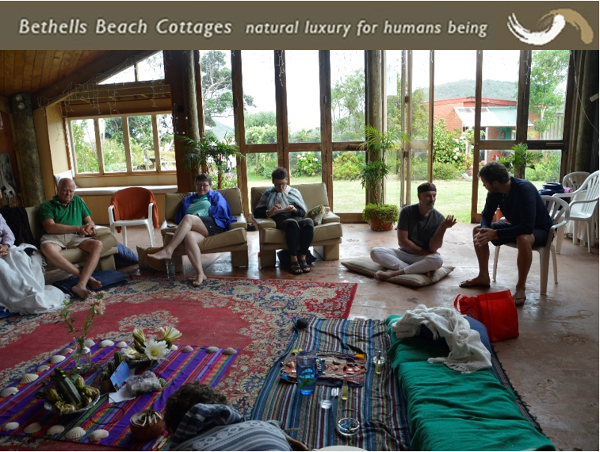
(221, 129)
(494, 89)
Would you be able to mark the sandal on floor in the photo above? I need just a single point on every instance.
(295, 268)
(304, 265)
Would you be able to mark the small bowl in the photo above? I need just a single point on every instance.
(149, 430)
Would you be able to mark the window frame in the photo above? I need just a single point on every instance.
(126, 143)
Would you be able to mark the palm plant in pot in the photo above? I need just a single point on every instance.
(520, 159)
(380, 216)
(208, 152)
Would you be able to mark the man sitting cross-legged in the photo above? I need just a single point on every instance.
(421, 231)
(68, 224)
(527, 224)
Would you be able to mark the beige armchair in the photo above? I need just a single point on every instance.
(233, 241)
(75, 255)
(328, 235)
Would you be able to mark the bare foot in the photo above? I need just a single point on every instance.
(81, 292)
(480, 281)
(519, 296)
(385, 274)
(162, 254)
(94, 283)
(199, 280)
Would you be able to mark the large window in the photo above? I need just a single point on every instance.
(123, 144)
(148, 69)
(302, 88)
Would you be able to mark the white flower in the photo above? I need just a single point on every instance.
(155, 350)
(131, 353)
(170, 334)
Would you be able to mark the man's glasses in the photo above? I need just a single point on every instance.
(281, 184)
(203, 185)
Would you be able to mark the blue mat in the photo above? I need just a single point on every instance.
(6, 313)
(108, 278)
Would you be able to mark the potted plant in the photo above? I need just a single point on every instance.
(381, 217)
(520, 159)
(207, 152)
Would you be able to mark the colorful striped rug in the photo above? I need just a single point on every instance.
(377, 405)
(177, 369)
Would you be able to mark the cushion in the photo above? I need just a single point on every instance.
(108, 278)
(65, 174)
(317, 214)
(125, 256)
(365, 266)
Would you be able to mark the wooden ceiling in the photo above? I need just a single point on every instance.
(50, 73)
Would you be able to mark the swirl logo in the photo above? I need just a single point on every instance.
(558, 19)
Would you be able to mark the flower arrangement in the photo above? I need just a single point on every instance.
(95, 306)
(150, 348)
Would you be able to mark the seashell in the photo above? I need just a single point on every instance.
(10, 426)
(89, 343)
(9, 391)
(67, 351)
(56, 429)
(42, 368)
(75, 433)
(174, 347)
(107, 343)
(28, 378)
(121, 344)
(97, 435)
(189, 348)
(57, 359)
(335, 361)
(33, 427)
(335, 367)
(229, 351)
(212, 349)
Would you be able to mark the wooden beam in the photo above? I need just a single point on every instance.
(104, 66)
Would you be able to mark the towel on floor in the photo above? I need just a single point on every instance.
(467, 352)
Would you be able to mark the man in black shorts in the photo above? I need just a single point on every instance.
(527, 224)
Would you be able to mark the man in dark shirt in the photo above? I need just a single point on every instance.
(421, 231)
(527, 224)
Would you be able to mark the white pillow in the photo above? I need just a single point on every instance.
(365, 266)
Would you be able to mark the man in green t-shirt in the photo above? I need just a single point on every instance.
(68, 224)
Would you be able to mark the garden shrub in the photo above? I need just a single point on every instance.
(347, 165)
(446, 171)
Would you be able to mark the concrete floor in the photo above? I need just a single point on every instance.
(553, 364)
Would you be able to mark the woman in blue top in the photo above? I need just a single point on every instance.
(200, 215)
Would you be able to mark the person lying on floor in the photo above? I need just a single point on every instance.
(199, 418)
(22, 287)
(7, 238)
(421, 231)
(200, 215)
(285, 206)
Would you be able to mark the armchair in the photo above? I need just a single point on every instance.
(234, 240)
(75, 255)
(328, 235)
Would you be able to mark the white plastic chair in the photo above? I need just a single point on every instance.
(583, 208)
(559, 212)
(575, 180)
(146, 220)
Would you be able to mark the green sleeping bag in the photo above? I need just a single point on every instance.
(448, 410)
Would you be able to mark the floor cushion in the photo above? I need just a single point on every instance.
(365, 266)
(108, 278)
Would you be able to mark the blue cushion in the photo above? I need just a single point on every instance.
(125, 257)
(476, 325)
(108, 278)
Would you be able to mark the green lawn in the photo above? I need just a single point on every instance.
(453, 196)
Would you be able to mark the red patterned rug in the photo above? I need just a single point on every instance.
(254, 316)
